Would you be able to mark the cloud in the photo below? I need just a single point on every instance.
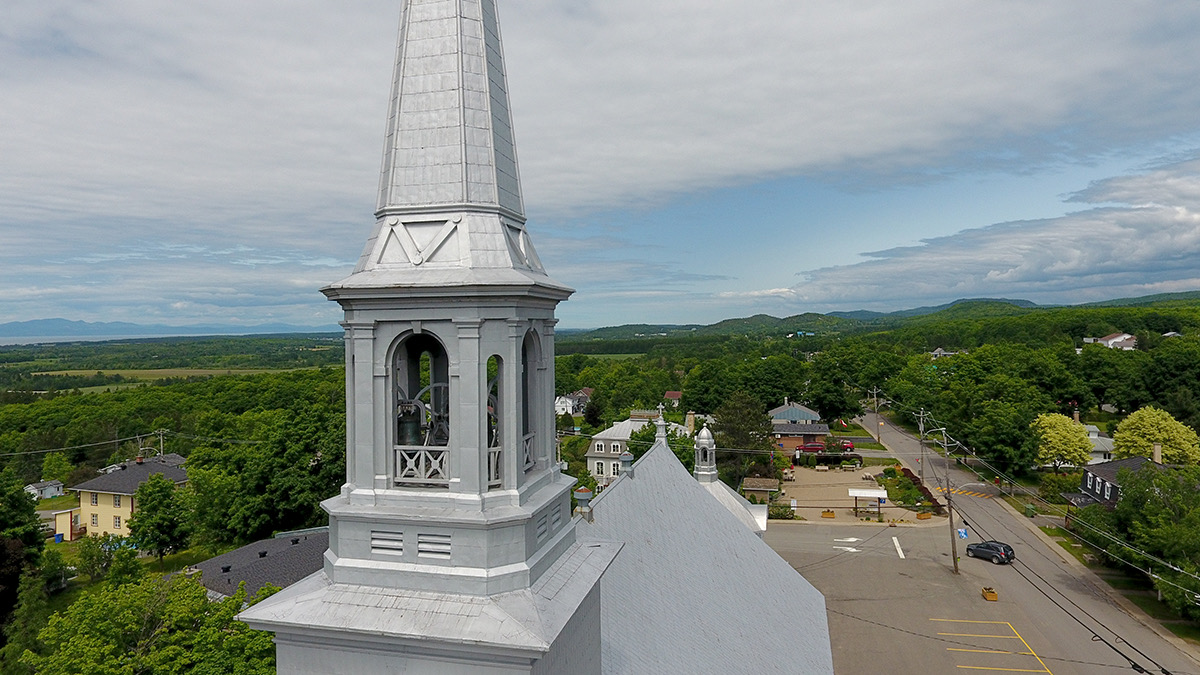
(1148, 246)
(189, 160)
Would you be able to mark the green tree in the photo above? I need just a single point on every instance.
(565, 422)
(156, 625)
(21, 540)
(125, 568)
(56, 467)
(1137, 434)
(1061, 441)
(741, 423)
(641, 440)
(96, 554)
(593, 413)
(160, 524)
(28, 617)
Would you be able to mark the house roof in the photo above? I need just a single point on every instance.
(125, 481)
(794, 412)
(760, 484)
(685, 555)
(288, 559)
(623, 429)
(1116, 336)
(44, 484)
(737, 505)
(673, 395)
(1108, 470)
(791, 429)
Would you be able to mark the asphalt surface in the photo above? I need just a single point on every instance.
(896, 606)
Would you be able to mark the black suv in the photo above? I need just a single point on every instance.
(997, 551)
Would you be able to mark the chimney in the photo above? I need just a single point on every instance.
(785, 401)
(139, 459)
(691, 423)
(627, 464)
(1157, 453)
(584, 497)
(1076, 415)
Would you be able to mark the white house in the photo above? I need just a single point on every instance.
(604, 453)
(45, 489)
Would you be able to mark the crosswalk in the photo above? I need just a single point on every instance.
(968, 493)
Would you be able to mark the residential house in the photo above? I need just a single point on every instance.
(45, 489)
(106, 502)
(1123, 341)
(1102, 446)
(760, 489)
(791, 413)
(604, 453)
(939, 353)
(672, 398)
(1101, 482)
(792, 437)
(573, 403)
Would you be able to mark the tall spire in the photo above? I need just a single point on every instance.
(449, 131)
(449, 191)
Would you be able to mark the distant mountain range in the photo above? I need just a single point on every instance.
(85, 330)
(965, 308)
(63, 328)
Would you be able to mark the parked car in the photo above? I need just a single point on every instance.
(813, 447)
(996, 551)
(847, 445)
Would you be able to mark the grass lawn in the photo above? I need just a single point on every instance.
(59, 503)
(852, 430)
(878, 461)
(1151, 606)
(1128, 583)
(1187, 631)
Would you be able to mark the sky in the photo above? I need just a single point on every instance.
(682, 162)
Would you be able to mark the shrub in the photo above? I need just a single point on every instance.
(780, 513)
(1053, 485)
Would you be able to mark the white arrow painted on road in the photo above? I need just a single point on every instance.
(849, 539)
(847, 549)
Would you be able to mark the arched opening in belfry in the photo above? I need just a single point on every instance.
(422, 412)
(495, 417)
(529, 361)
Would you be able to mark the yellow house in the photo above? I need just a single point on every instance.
(106, 502)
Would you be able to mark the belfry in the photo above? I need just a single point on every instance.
(452, 540)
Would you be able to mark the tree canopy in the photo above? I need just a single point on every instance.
(160, 525)
(156, 625)
(1061, 441)
(1137, 434)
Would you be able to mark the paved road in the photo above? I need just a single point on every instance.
(895, 605)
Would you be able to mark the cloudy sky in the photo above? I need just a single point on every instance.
(683, 162)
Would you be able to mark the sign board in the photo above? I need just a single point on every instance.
(962, 533)
(868, 493)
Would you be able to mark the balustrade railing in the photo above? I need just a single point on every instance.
(421, 465)
(494, 475)
(528, 446)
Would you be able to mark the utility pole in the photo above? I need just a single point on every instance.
(875, 398)
(160, 442)
(921, 441)
(953, 532)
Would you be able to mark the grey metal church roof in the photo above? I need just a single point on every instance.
(693, 589)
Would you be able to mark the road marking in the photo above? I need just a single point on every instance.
(1014, 636)
(899, 551)
(1005, 669)
(847, 549)
(849, 539)
(982, 495)
(988, 651)
(998, 637)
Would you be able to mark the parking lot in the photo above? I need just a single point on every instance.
(895, 604)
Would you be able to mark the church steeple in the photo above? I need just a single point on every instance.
(449, 321)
